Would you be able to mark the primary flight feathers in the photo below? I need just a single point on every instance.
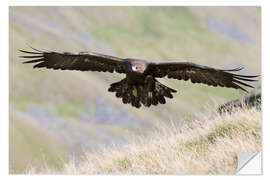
(140, 85)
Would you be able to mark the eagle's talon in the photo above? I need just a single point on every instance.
(150, 94)
(134, 92)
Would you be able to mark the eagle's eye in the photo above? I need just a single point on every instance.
(134, 68)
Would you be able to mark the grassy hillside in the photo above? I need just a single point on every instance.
(33, 145)
(208, 145)
(75, 111)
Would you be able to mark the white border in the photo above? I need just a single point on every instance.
(4, 91)
(4, 71)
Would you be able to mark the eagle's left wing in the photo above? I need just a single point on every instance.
(201, 74)
(82, 61)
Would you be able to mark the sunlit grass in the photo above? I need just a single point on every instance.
(208, 145)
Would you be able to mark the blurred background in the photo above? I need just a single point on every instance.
(57, 115)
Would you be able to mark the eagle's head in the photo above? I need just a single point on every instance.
(138, 66)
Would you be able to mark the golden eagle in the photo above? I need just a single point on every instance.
(140, 84)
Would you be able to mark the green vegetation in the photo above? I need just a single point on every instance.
(70, 109)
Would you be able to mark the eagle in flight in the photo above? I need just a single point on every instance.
(140, 86)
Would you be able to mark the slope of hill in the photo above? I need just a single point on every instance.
(75, 110)
(205, 146)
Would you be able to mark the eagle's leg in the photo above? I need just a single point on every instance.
(148, 96)
(150, 83)
(155, 92)
(135, 95)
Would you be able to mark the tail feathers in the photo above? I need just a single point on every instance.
(137, 95)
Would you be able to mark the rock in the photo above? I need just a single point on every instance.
(253, 99)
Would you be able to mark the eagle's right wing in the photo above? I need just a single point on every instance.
(82, 61)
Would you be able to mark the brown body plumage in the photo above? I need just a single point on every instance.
(140, 85)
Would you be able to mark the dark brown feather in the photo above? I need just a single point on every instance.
(82, 61)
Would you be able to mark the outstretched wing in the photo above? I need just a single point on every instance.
(201, 74)
(82, 61)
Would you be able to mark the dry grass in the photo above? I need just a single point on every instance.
(205, 146)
